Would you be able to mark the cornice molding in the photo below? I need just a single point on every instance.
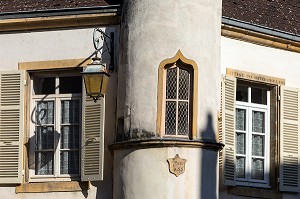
(260, 38)
(58, 22)
(159, 143)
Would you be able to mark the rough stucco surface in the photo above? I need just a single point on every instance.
(153, 31)
(278, 14)
(144, 173)
(32, 5)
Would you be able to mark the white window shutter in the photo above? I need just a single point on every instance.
(228, 128)
(289, 139)
(92, 138)
(11, 126)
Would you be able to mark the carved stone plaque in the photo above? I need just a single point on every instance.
(176, 165)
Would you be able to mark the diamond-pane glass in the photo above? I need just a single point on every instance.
(184, 84)
(170, 119)
(171, 91)
(183, 118)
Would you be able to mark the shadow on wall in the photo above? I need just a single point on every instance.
(105, 187)
(43, 143)
(209, 162)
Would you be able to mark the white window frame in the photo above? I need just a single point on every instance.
(249, 107)
(57, 98)
(189, 101)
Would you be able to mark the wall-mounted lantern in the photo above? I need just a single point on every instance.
(95, 74)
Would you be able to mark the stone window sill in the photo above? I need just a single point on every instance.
(52, 187)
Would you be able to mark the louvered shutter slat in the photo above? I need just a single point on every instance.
(228, 128)
(11, 126)
(92, 139)
(289, 139)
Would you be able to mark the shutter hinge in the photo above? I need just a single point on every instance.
(23, 172)
(278, 98)
(278, 180)
(25, 82)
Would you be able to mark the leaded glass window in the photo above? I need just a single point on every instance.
(177, 102)
(252, 134)
(56, 117)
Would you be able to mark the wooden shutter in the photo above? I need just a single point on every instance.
(92, 138)
(11, 126)
(289, 139)
(228, 128)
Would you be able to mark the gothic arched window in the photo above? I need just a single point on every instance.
(177, 104)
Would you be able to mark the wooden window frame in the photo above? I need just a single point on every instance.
(192, 66)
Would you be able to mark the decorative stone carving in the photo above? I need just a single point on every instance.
(176, 165)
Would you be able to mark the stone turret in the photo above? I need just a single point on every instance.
(153, 137)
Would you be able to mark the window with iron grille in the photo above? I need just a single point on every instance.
(178, 100)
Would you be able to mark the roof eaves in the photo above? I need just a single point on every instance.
(260, 29)
(61, 12)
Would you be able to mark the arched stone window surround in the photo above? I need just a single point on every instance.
(191, 64)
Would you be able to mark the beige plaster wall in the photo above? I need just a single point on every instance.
(60, 45)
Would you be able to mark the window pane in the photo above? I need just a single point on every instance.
(69, 137)
(240, 167)
(44, 137)
(69, 162)
(70, 84)
(240, 143)
(257, 169)
(171, 90)
(258, 121)
(170, 120)
(242, 93)
(184, 84)
(258, 145)
(44, 112)
(44, 163)
(240, 117)
(183, 118)
(70, 111)
(44, 85)
(258, 96)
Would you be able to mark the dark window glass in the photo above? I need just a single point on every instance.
(44, 85)
(242, 93)
(70, 84)
(258, 96)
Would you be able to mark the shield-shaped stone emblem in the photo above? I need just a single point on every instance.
(177, 165)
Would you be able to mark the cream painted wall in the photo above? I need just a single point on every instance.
(264, 60)
(260, 59)
(60, 45)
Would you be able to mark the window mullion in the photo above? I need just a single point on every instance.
(249, 143)
(56, 137)
(177, 98)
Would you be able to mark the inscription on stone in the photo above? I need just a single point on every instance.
(176, 165)
(254, 77)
